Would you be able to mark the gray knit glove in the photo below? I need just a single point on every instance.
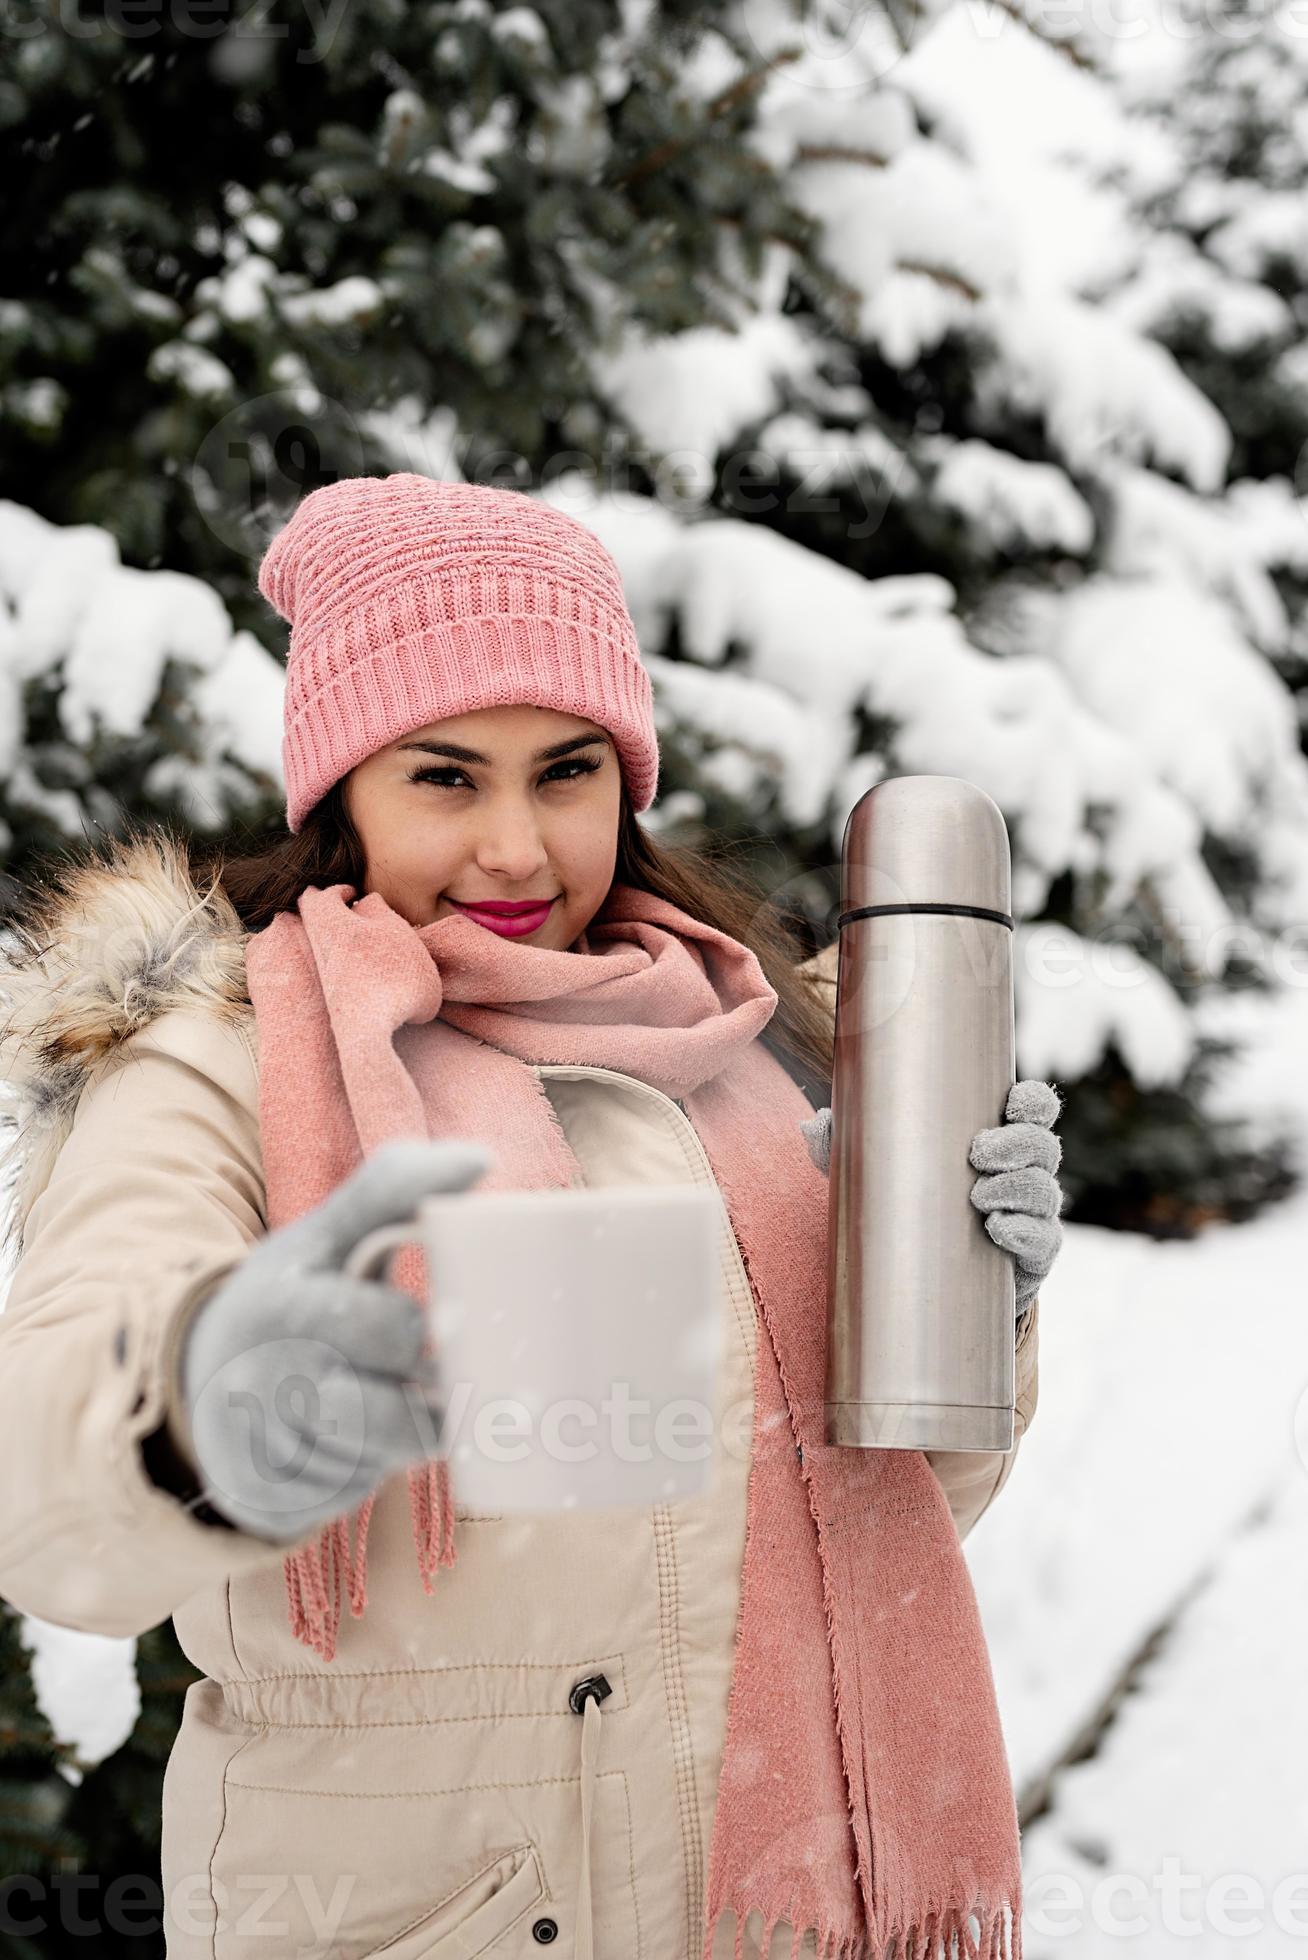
(304, 1389)
(1022, 1198)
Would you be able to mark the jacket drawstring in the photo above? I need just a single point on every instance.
(584, 1948)
(585, 1700)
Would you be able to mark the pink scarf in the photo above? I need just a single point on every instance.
(865, 1788)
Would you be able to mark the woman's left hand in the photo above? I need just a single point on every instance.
(1020, 1198)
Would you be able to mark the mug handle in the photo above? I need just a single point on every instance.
(375, 1248)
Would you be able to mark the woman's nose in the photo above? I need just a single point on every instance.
(512, 848)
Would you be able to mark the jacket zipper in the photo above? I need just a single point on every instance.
(665, 1554)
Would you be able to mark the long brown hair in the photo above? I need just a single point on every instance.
(326, 851)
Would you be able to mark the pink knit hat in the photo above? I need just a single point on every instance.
(410, 600)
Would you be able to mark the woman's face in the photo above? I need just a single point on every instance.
(469, 809)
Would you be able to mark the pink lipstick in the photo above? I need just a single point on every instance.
(511, 921)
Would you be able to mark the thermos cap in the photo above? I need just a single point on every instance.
(926, 840)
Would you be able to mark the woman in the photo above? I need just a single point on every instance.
(764, 1710)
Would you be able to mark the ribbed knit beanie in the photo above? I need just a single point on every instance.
(410, 599)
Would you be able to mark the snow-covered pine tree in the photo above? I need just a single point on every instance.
(972, 517)
(233, 246)
(834, 255)
(254, 259)
(1225, 287)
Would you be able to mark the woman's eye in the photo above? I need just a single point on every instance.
(578, 766)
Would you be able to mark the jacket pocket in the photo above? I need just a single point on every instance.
(471, 1919)
(350, 1872)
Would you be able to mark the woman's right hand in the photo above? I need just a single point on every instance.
(303, 1388)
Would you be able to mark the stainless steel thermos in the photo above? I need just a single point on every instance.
(920, 1300)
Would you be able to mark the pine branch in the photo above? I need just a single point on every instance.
(839, 153)
(1067, 49)
(664, 152)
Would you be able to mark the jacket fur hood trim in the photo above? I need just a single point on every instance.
(103, 948)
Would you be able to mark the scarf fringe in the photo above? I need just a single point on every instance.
(949, 1936)
(832, 1944)
(942, 1936)
(314, 1573)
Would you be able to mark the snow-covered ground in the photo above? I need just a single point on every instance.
(1155, 1527)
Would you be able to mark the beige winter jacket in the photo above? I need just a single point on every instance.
(420, 1796)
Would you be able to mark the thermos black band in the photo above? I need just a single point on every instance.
(964, 911)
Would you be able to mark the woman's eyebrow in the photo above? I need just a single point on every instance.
(470, 755)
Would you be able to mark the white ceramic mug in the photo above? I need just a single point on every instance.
(578, 1335)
